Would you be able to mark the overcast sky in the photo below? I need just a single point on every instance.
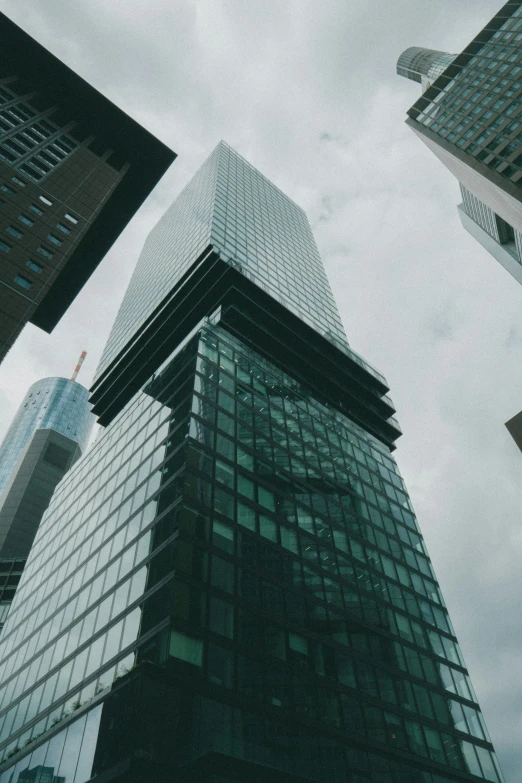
(306, 90)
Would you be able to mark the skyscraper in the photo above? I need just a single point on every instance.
(423, 65)
(56, 404)
(74, 168)
(469, 117)
(48, 434)
(232, 585)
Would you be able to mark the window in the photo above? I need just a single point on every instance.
(34, 138)
(35, 209)
(25, 220)
(46, 201)
(40, 165)
(221, 617)
(186, 648)
(63, 228)
(18, 181)
(220, 666)
(14, 232)
(6, 154)
(54, 239)
(222, 574)
(31, 172)
(224, 474)
(505, 231)
(298, 648)
(70, 217)
(56, 154)
(45, 157)
(7, 189)
(34, 266)
(223, 536)
(266, 498)
(45, 252)
(23, 282)
(4, 246)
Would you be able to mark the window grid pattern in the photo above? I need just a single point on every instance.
(320, 528)
(439, 65)
(420, 64)
(480, 213)
(85, 574)
(22, 201)
(479, 110)
(269, 237)
(293, 521)
(10, 573)
(69, 754)
(258, 229)
(29, 141)
(486, 218)
(51, 403)
(170, 249)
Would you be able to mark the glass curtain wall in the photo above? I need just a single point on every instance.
(253, 541)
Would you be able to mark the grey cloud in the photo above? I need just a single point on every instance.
(307, 91)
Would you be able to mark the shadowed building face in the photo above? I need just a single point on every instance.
(73, 170)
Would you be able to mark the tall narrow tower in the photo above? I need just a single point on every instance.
(56, 404)
(423, 65)
(49, 433)
(232, 585)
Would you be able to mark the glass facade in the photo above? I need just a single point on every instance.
(51, 403)
(66, 758)
(231, 584)
(230, 524)
(232, 207)
(423, 65)
(471, 117)
(10, 573)
(478, 108)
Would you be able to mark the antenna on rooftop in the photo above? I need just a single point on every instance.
(77, 368)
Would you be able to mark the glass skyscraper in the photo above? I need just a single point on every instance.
(423, 65)
(231, 584)
(49, 432)
(50, 404)
(230, 206)
(470, 118)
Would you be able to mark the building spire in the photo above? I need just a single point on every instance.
(77, 368)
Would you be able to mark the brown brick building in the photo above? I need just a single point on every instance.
(74, 168)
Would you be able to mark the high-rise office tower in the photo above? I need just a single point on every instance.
(49, 433)
(231, 585)
(74, 168)
(56, 404)
(470, 118)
